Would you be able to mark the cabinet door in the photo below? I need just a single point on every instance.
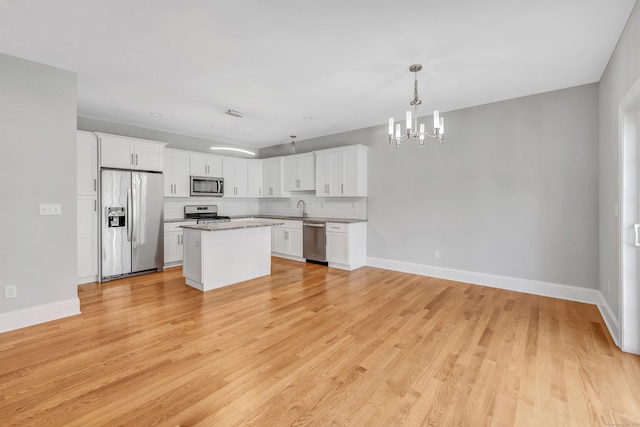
(322, 173)
(87, 235)
(291, 176)
(255, 178)
(180, 174)
(117, 153)
(198, 164)
(241, 177)
(335, 181)
(235, 177)
(280, 243)
(87, 164)
(149, 156)
(268, 170)
(215, 168)
(168, 175)
(172, 246)
(338, 247)
(307, 173)
(295, 242)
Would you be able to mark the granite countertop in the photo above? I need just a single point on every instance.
(220, 226)
(307, 219)
(180, 220)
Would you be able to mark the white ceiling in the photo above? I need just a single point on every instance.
(343, 63)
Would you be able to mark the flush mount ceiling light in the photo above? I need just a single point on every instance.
(239, 150)
(156, 114)
(412, 125)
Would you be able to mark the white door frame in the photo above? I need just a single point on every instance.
(629, 295)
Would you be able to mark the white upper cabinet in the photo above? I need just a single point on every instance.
(234, 172)
(176, 173)
(123, 152)
(87, 161)
(254, 178)
(205, 165)
(342, 172)
(274, 178)
(300, 172)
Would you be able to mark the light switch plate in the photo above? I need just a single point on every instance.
(50, 209)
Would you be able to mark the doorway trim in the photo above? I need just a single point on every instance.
(629, 292)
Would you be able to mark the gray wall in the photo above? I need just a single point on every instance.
(37, 165)
(513, 191)
(174, 140)
(621, 73)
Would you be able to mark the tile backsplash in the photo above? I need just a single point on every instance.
(174, 207)
(328, 207)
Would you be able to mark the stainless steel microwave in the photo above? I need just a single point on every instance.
(207, 186)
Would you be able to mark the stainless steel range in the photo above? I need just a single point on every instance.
(204, 214)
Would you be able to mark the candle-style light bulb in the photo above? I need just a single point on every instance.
(390, 125)
(408, 119)
(436, 119)
(421, 131)
(398, 130)
(441, 125)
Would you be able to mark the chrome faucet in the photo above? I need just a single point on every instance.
(304, 208)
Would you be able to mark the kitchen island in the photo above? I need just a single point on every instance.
(221, 254)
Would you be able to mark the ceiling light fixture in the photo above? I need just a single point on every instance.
(412, 125)
(293, 143)
(239, 150)
(156, 114)
(234, 113)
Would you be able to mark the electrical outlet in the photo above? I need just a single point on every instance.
(436, 254)
(10, 291)
(50, 209)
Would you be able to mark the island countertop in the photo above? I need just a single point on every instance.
(233, 225)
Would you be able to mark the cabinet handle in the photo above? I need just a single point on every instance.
(260, 191)
(341, 188)
(286, 235)
(136, 160)
(95, 206)
(132, 160)
(95, 184)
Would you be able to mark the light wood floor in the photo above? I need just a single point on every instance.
(317, 346)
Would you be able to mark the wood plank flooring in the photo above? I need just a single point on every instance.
(315, 346)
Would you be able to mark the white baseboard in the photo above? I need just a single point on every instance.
(547, 289)
(39, 314)
(291, 257)
(554, 290)
(609, 319)
(87, 279)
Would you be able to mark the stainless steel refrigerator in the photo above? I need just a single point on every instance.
(132, 223)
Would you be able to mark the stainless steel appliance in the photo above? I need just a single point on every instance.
(132, 223)
(204, 214)
(207, 186)
(314, 238)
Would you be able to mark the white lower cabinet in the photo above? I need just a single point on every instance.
(87, 235)
(347, 245)
(174, 243)
(286, 239)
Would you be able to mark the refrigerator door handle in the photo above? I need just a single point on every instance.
(129, 215)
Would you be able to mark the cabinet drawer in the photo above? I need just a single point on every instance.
(337, 227)
(175, 226)
(290, 224)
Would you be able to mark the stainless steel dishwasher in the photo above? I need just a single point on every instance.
(314, 238)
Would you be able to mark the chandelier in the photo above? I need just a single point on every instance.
(396, 135)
